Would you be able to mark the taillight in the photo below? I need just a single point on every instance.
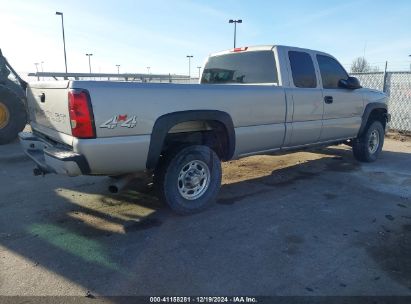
(81, 114)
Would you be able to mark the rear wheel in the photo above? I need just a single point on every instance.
(189, 179)
(13, 117)
(368, 146)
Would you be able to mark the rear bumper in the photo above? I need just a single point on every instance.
(51, 159)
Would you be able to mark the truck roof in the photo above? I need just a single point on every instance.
(267, 47)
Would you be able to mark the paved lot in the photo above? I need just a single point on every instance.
(312, 223)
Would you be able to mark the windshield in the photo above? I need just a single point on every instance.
(247, 67)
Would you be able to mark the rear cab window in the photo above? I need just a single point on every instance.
(302, 69)
(250, 67)
(331, 71)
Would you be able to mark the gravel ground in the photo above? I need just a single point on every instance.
(307, 223)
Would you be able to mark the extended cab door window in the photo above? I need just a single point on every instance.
(331, 71)
(302, 69)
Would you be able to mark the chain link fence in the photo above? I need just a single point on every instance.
(397, 85)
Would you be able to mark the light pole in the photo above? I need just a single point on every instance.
(118, 69)
(235, 27)
(64, 39)
(189, 67)
(37, 70)
(148, 70)
(199, 74)
(89, 61)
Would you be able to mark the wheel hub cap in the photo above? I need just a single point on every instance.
(193, 180)
(4, 115)
(374, 141)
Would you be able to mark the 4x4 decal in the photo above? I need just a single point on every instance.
(120, 120)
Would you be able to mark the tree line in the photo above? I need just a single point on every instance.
(361, 65)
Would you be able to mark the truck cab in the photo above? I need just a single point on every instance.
(319, 107)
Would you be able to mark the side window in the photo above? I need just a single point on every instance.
(302, 69)
(331, 71)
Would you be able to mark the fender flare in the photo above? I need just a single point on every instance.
(165, 122)
(368, 109)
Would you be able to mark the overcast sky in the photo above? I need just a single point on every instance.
(159, 34)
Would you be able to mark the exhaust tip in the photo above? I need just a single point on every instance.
(113, 189)
(121, 182)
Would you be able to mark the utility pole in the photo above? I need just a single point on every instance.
(89, 61)
(64, 39)
(199, 72)
(235, 27)
(189, 67)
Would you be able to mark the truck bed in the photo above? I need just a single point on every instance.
(147, 102)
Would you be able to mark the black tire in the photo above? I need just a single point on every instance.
(13, 115)
(172, 171)
(363, 149)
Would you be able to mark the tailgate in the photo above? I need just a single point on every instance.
(48, 108)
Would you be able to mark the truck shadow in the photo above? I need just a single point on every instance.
(97, 245)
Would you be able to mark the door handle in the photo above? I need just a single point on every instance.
(328, 99)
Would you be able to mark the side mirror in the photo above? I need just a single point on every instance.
(350, 83)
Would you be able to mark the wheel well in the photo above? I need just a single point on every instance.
(378, 115)
(213, 134)
(207, 127)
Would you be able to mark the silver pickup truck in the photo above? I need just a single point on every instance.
(250, 100)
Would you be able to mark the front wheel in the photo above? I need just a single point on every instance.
(368, 146)
(189, 179)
